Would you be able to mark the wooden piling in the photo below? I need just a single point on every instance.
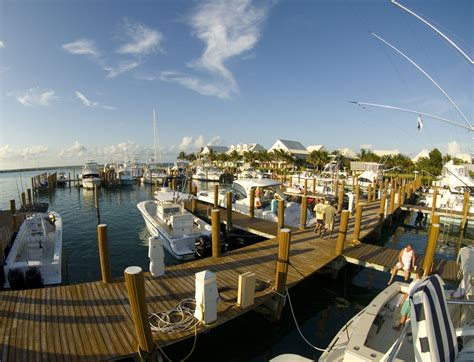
(135, 283)
(341, 237)
(104, 253)
(374, 190)
(282, 267)
(190, 186)
(229, 210)
(216, 232)
(23, 199)
(304, 211)
(358, 221)
(357, 195)
(369, 193)
(383, 201)
(12, 213)
(392, 201)
(435, 196)
(216, 196)
(281, 216)
(305, 187)
(30, 200)
(195, 190)
(96, 202)
(314, 185)
(252, 203)
(340, 197)
(336, 186)
(430, 249)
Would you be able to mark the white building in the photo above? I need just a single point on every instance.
(347, 153)
(316, 148)
(241, 148)
(294, 148)
(215, 149)
(422, 154)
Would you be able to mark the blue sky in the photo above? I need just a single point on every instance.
(79, 79)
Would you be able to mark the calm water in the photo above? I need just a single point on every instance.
(322, 305)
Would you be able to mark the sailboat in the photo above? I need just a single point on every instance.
(153, 173)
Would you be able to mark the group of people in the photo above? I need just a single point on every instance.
(325, 215)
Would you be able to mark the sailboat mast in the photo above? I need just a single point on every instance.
(154, 133)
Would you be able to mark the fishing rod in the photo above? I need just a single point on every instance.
(362, 104)
(427, 75)
(435, 29)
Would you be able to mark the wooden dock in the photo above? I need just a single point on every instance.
(93, 320)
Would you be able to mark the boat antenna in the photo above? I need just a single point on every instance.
(427, 75)
(435, 29)
(363, 104)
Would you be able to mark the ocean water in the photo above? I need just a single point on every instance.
(322, 305)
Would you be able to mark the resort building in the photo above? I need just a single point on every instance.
(215, 149)
(241, 148)
(294, 148)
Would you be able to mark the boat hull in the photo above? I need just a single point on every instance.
(90, 183)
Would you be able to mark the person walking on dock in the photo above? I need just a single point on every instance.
(319, 209)
(330, 213)
(406, 260)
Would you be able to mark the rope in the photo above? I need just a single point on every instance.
(296, 323)
(179, 319)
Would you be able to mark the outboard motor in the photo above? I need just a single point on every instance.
(16, 279)
(203, 246)
(33, 278)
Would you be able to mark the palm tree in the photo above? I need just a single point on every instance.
(318, 158)
(181, 156)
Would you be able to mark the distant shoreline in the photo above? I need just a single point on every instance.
(38, 168)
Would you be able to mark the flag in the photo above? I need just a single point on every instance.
(419, 124)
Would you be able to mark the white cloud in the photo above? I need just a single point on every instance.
(81, 47)
(143, 40)
(37, 97)
(121, 68)
(75, 150)
(110, 108)
(8, 153)
(229, 29)
(186, 143)
(2, 44)
(215, 141)
(454, 148)
(365, 146)
(199, 142)
(86, 101)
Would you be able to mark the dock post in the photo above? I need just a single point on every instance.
(357, 195)
(402, 194)
(304, 211)
(216, 232)
(392, 201)
(190, 186)
(374, 190)
(229, 211)
(465, 210)
(30, 201)
(299, 179)
(383, 200)
(282, 268)
(305, 186)
(23, 199)
(430, 249)
(104, 253)
(336, 186)
(433, 207)
(369, 193)
(252, 203)
(281, 216)
(135, 282)
(358, 221)
(195, 190)
(13, 212)
(314, 185)
(341, 237)
(69, 180)
(291, 181)
(216, 196)
(340, 197)
(96, 204)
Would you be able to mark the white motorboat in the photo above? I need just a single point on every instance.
(61, 179)
(153, 175)
(125, 176)
(166, 217)
(35, 254)
(90, 175)
(265, 190)
(207, 173)
(250, 172)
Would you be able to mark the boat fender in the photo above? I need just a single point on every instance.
(203, 246)
(16, 279)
